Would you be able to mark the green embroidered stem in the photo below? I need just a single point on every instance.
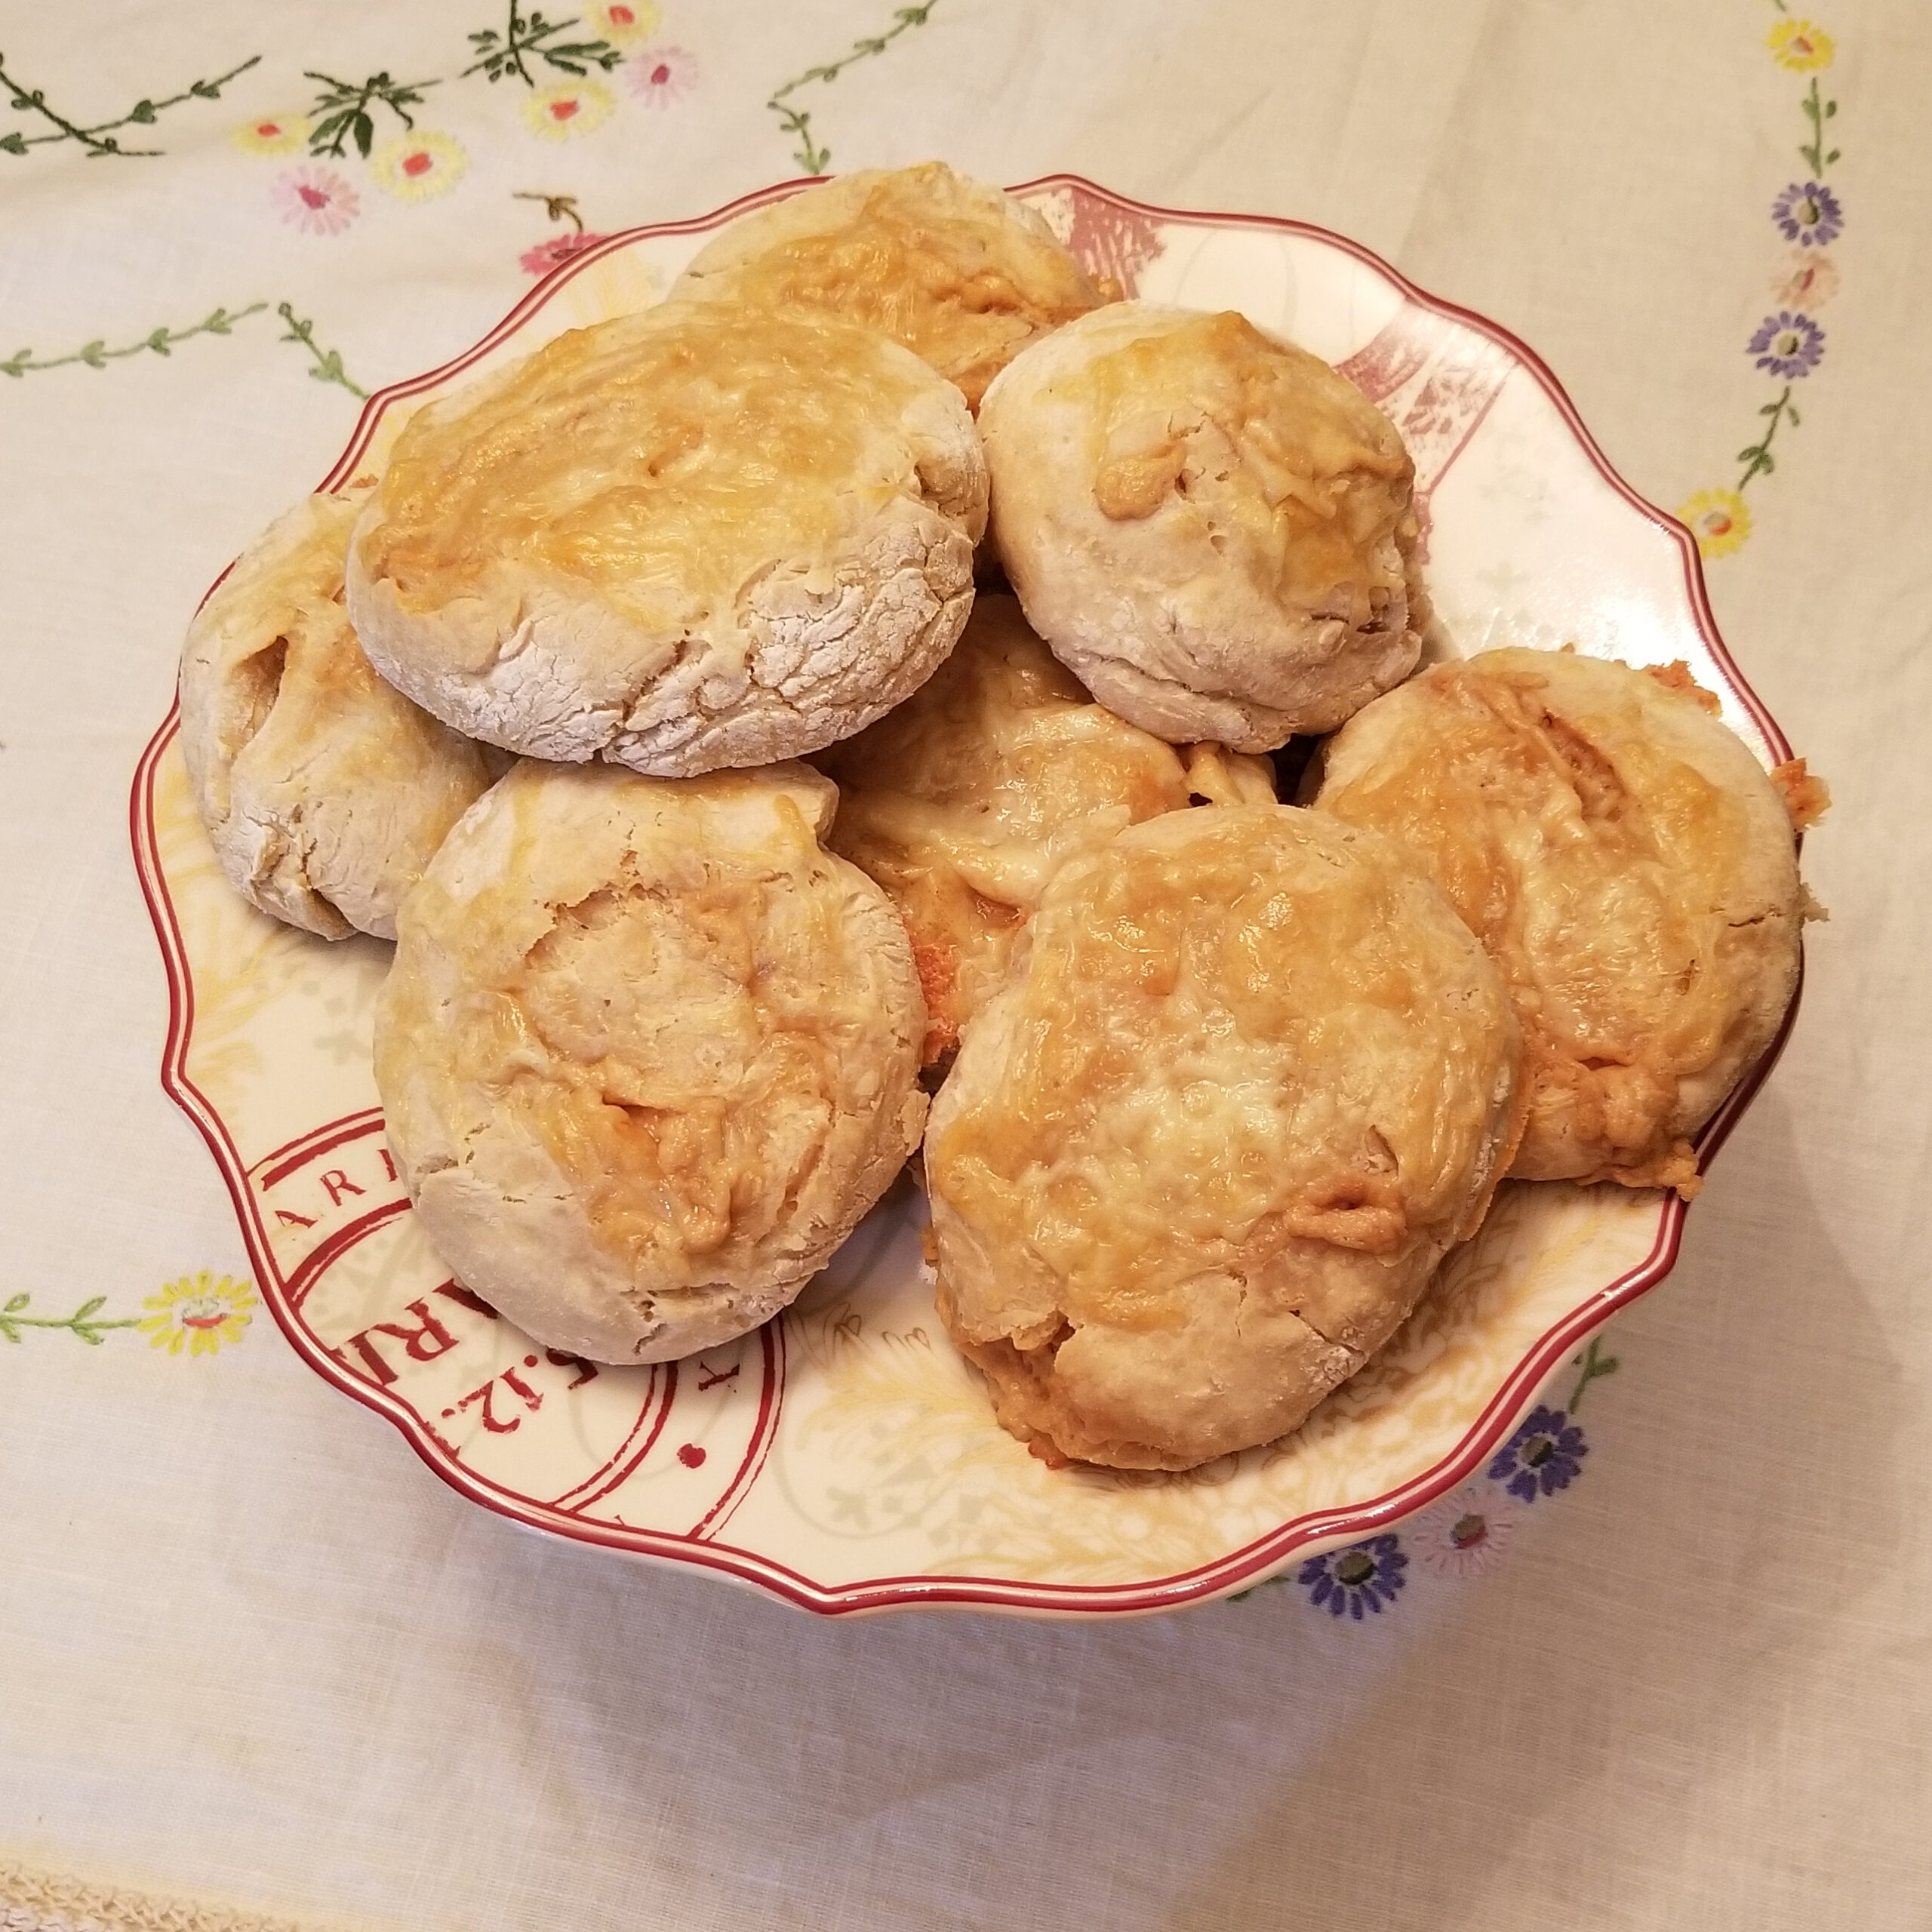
(1757, 459)
(1593, 1366)
(343, 110)
(503, 53)
(80, 1323)
(143, 113)
(556, 207)
(328, 361)
(97, 355)
(1818, 111)
(809, 156)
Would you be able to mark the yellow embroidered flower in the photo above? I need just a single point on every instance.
(1718, 519)
(202, 1314)
(416, 167)
(1800, 46)
(271, 133)
(569, 108)
(622, 24)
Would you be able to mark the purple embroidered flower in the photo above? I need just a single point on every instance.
(1808, 213)
(1543, 1455)
(1788, 345)
(1364, 1575)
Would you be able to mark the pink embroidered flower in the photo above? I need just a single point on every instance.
(316, 200)
(553, 253)
(1465, 1534)
(661, 75)
(1807, 280)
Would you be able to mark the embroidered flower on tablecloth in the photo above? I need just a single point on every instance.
(271, 133)
(1465, 1534)
(661, 75)
(568, 109)
(1718, 520)
(1806, 281)
(1541, 1456)
(1364, 1576)
(1800, 46)
(1788, 345)
(201, 1314)
(621, 24)
(317, 200)
(416, 167)
(554, 253)
(1808, 213)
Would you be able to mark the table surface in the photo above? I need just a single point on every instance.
(253, 1655)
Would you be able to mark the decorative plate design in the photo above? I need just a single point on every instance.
(844, 1458)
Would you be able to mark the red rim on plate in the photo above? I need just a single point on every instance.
(704, 1547)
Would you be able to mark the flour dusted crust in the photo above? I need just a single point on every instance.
(696, 538)
(1198, 1158)
(1209, 525)
(1627, 862)
(647, 1053)
(962, 275)
(324, 791)
(963, 801)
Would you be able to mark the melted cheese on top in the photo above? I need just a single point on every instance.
(1235, 1030)
(661, 459)
(965, 286)
(1307, 475)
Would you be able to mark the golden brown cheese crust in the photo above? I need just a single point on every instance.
(956, 271)
(1625, 860)
(324, 791)
(694, 538)
(1210, 526)
(647, 1054)
(963, 801)
(1250, 1079)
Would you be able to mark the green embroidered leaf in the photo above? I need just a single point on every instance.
(365, 133)
(18, 1302)
(92, 1337)
(158, 342)
(6, 1328)
(1795, 419)
(18, 366)
(217, 323)
(87, 1308)
(143, 111)
(1831, 108)
(92, 355)
(15, 143)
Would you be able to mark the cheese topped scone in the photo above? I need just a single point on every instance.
(694, 538)
(963, 801)
(1211, 528)
(1249, 1079)
(961, 274)
(1628, 864)
(647, 1053)
(324, 790)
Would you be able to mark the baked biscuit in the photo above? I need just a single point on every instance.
(1250, 1079)
(1626, 861)
(963, 801)
(647, 1053)
(960, 273)
(687, 539)
(1211, 527)
(325, 792)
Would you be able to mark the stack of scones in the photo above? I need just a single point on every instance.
(829, 713)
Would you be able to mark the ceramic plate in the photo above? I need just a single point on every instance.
(844, 1458)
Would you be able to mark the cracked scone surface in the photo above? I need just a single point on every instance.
(324, 790)
(1627, 861)
(1209, 525)
(648, 1052)
(1199, 1156)
(963, 801)
(958, 272)
(689, 540)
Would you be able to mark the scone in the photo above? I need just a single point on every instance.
(324, 791)
(960, 273)
(648, 1052)
(694, 538)
(1626, 861)
(1250, 1079)
(1210, 526)
(963, 801)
